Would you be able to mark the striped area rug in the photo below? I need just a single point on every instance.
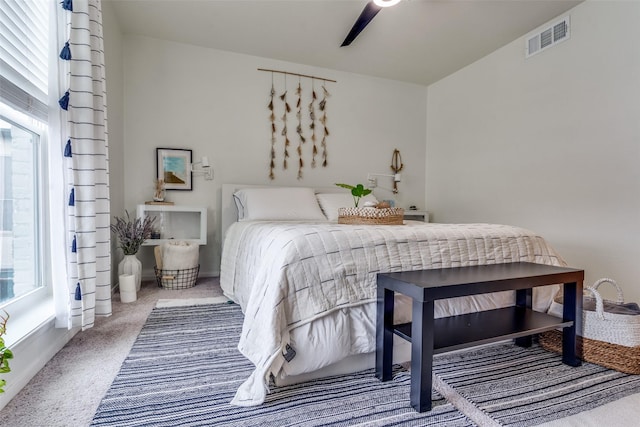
(515, 386)
(184, 368)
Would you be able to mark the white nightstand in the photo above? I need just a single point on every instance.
(416, 215)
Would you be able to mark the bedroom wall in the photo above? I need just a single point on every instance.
(550, 143)
(215, 103)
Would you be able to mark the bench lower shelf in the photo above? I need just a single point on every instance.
(468, 330)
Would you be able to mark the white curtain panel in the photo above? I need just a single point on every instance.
(87, 290)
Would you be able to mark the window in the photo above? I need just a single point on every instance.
(20, 209)
(24, 74)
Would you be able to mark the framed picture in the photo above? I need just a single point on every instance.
(174, 167)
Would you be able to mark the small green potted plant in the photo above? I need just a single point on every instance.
(357, 191)
(5, 353)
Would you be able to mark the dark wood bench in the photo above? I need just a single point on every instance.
(429, 336)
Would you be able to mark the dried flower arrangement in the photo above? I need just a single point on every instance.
(132, 233)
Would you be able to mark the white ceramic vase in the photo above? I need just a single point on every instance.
(131, 265)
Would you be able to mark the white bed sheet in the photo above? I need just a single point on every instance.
(312, 286)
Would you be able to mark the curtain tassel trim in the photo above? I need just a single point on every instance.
(67, 149)
(72, 197)
(73, 245)
(67, 5)
(64, 101)
(78, 296)
(65, 53)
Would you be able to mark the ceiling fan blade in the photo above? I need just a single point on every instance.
(367, 14)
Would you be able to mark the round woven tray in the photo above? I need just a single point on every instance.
(384, 216)
(612, 356)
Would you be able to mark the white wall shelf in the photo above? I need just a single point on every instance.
(188, 223)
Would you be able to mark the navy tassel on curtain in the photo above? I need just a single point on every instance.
(67, 5)
(73, 245)
(78, 296)
(72, 197)
(67, 149)
(65, 53)
(64, 101)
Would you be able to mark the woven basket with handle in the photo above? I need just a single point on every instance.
(610, 330)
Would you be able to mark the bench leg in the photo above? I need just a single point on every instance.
(572, 310)
(384, 333)
(524, 298)
(421, 355)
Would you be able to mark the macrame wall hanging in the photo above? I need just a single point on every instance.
(308, 127)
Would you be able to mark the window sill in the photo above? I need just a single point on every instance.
(22, 325)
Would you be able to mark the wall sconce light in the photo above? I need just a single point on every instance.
(204, 168)
(372, 182)
(396, 167)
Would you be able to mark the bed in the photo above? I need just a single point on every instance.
(307, 285)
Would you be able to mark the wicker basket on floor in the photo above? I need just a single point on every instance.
(612, 356)
(376, 216)
(611, 331)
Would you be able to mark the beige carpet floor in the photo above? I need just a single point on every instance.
(68, 390)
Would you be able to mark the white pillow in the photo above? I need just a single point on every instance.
(330, 202)
(278, 204)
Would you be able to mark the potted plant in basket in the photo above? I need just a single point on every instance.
(357, 191)
(131, 234)
(382, 214)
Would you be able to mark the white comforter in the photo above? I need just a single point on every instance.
(306, 277)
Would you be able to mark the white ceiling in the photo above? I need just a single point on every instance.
(417, 41)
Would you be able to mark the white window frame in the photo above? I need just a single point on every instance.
(35, 307)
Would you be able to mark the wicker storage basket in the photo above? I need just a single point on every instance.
(612, 356)
(176, 279)
(384, 216)
(610, 330)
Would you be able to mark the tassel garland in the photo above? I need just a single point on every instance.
(67, 5)
(73, 245)
(72, 197)
(78, 295)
